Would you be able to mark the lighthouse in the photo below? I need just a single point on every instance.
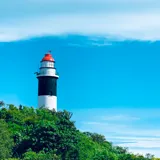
(47, 83)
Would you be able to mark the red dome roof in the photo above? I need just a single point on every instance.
(48, 57)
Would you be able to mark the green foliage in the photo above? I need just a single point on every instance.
(6, 142)
(86, 147)
(30, 155)
(68, 139)
(42, 134)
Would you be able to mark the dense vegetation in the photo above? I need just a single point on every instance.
(40, 134)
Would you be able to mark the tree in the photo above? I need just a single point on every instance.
(6, 142)
(86, 147)
(2, 104)
(149, 156)
(96, 137)
(68, 136)
(120, 150)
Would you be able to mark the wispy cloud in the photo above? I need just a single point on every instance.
(121, 129)
(141, 145)
(137, 140)
(119, 118)
(92, 41)
(143, 151)
(124, 127)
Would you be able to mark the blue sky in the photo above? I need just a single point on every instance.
(107, 56)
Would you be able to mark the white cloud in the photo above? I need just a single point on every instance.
(131, 26)
(126, 19)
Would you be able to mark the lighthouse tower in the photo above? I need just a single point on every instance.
(47, 83)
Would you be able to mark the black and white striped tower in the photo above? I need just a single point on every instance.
(47, 83)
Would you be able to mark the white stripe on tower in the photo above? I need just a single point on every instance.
(49, 102)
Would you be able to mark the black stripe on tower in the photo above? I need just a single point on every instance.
(47, 86)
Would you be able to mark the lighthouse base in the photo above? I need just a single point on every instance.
(46, 101)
